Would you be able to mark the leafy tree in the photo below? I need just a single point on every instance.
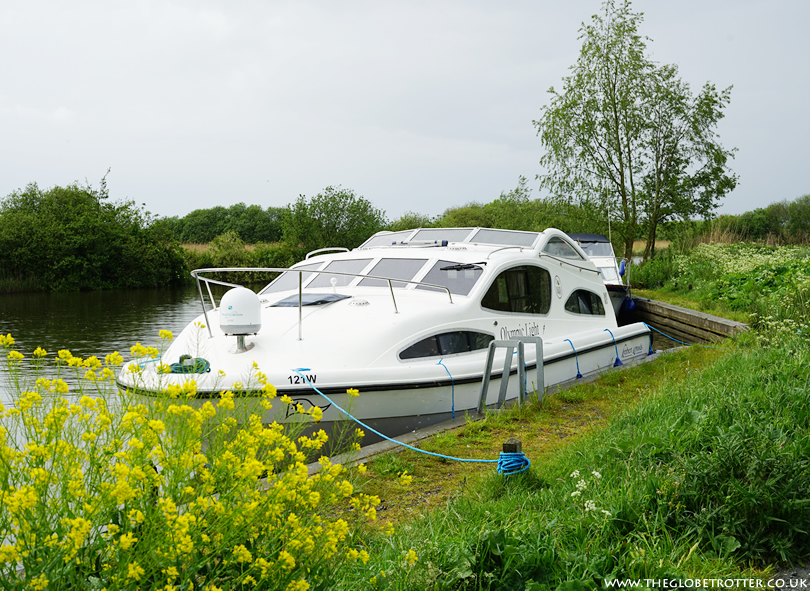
(628, 138)
(74, 238)
(336, 217)
(411, 220)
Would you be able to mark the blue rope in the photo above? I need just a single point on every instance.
(576, 357)
(618, 361)
(507, 462)
(452, 388)
(681, 342)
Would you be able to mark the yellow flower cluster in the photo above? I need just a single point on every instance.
(167, 487)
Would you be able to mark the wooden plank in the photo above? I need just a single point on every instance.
(681, 331)
(700, 320)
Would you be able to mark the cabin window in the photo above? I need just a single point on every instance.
(504, 237)
(557, 247)
(583, 301)
(388, 239)
(352, 266)
(459, 278)
(439, 234)
(448, 343)
(394, 269)
(289, 280)
(609, 274)
(523, 290)
(597, 249)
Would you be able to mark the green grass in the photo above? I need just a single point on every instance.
(704, 458)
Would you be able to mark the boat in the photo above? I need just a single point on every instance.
(414, 320)
(600, 251)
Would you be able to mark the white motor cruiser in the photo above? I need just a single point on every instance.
(425, 323)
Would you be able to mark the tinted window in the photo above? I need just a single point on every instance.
(505, 237)
(597, 249)
(449, 234)
(525, 290)
(350, 266)
(289, 280)
(394, 269)
(583, 301)
(458, 277)
(448, 343)
(557, 247)
(387, 239)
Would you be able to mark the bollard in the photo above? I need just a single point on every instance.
(513, 446)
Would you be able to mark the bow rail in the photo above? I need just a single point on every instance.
(208, 281)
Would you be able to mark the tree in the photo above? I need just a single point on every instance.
(627, 137)
(337, 217)
(74, 238)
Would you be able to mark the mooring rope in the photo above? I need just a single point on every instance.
(508, 463)
(576, 358)
(681, 342)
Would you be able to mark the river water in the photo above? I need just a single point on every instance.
(94, 323)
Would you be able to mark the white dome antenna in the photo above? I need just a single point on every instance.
(240, 315)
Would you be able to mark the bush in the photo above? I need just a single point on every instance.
(73, 238)
(108, 489)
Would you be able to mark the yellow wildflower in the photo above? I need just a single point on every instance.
(353, 392)
(134, 571)
(362, 468)
(15, 356)
(299, 585)
(41, 582)
(286, 560)
(39, 352)
(166, 335)
(242, 554)
(411, 557)
(405, 478)
(127, 540)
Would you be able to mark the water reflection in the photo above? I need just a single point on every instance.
(94, 323)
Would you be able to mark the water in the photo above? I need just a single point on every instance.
(94, 323)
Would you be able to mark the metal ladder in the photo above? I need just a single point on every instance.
(510, 346)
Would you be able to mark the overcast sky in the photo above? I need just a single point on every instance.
(417, 106)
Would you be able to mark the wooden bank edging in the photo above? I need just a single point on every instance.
(685, 324)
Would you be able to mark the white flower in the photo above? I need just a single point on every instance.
(607, 513)
(596, 474)
(582, 485)
(575, 474)
(576, 493)
(590, 505)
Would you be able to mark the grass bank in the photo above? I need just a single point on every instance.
(697, 465)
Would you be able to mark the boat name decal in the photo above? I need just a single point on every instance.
(527, 330)
(631, 352)
(299, 379)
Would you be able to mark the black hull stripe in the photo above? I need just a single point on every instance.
(203, 395)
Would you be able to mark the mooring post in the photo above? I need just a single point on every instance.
(512, 446)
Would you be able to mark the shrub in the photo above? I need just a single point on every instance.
(73, 238)
(107, 489)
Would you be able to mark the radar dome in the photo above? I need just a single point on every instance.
(240, 312)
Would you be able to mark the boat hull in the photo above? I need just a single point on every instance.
(392, 408)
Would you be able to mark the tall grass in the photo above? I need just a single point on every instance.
(702, 478)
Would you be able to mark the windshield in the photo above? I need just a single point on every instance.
(289, 280)
(458, 278)
(394, 269)
(597, 249)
